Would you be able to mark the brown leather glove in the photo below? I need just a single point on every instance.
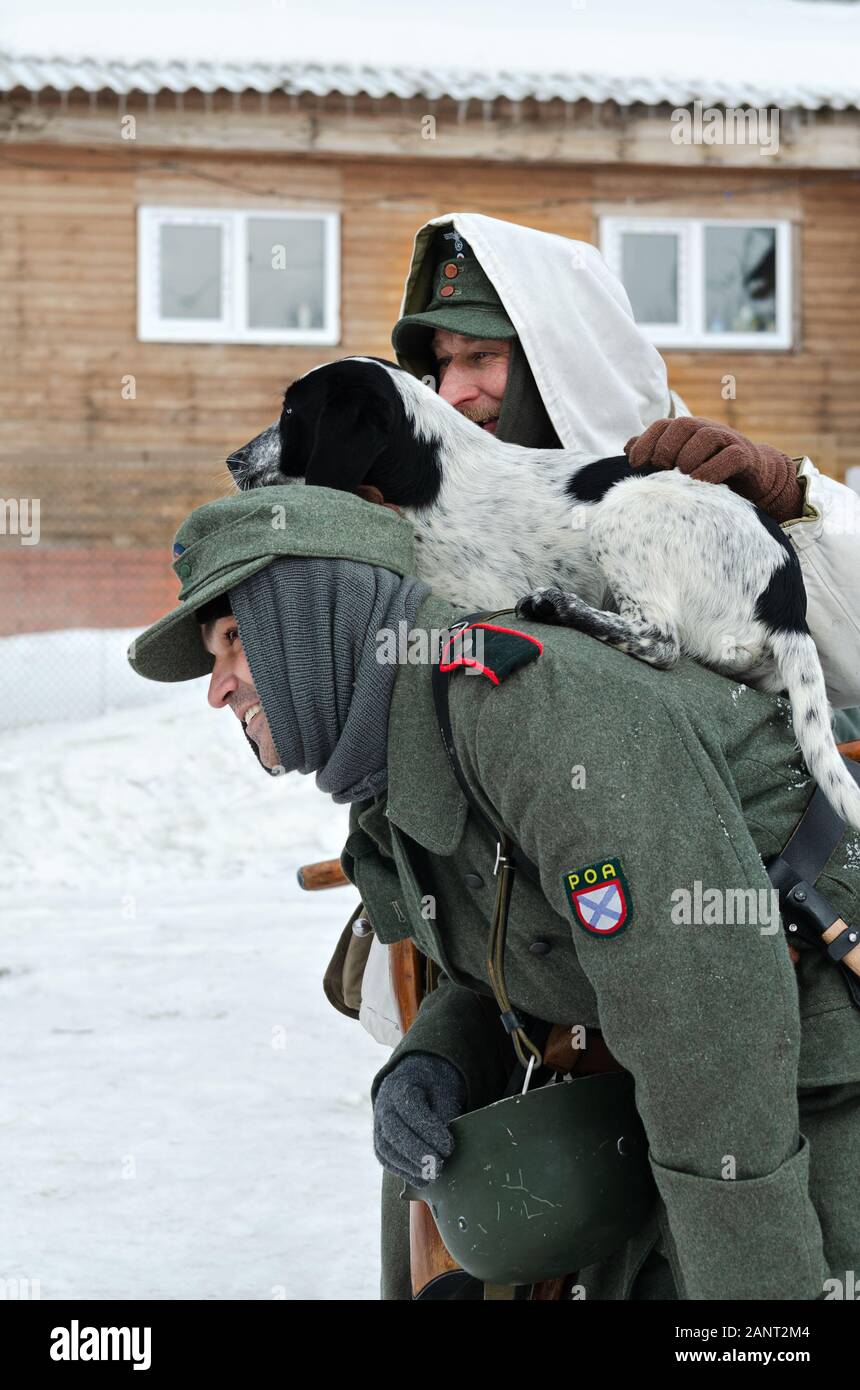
(714, 453)
(372, 494)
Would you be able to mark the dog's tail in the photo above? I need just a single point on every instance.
(800, 668)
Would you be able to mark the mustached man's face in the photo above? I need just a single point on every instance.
(231, 685)
(473, 374)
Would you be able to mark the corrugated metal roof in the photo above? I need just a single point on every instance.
(36, 74)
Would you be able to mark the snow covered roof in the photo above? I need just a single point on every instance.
(768, 53)
(322, 79)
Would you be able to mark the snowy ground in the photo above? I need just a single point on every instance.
(183, 1114)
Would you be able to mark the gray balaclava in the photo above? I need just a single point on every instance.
(309, 630)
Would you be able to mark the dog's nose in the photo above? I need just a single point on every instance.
(236, 460)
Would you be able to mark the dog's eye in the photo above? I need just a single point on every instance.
(288, 410)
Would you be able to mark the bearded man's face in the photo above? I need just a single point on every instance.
(473, 374)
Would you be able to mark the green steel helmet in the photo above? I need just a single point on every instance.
(542, 1184)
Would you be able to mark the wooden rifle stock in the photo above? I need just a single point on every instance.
(428, 1258)
(326, 874)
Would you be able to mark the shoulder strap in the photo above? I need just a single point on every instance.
(814, 839)
(439, 680)
(509, 858)
(794, 872)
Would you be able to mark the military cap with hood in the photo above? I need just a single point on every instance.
(583, 376)
(463, 300)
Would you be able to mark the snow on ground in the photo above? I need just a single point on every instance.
(184, 1115)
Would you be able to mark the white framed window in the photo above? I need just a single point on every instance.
(705, 282)
(224, 275)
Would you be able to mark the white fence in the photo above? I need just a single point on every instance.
(79, 673)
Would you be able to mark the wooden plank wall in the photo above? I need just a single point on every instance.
(125, 472)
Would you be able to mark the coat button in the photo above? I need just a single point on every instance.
(446, 291)
(473, 880)
(540, 948)
(451, 270)
(184, 569)
(361, 927)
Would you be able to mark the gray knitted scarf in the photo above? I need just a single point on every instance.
(308, 628)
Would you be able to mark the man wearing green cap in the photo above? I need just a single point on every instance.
(465, 344)
(746, 1067)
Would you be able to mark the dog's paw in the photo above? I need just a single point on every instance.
(545, 606)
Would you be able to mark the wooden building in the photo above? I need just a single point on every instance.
(140, 343)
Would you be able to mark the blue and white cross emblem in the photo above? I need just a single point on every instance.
(599, 897)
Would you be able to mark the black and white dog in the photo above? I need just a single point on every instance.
(647, 560)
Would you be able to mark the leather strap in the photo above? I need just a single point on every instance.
(509, 858)
(815, 837)
(439, 682)
(794, 872)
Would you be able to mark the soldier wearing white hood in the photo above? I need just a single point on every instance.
(531, 336)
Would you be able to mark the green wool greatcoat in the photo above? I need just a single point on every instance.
(746, 1067)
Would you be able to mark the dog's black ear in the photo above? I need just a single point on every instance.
(349, 435)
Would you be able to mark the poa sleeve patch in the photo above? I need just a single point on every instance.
(599, 897)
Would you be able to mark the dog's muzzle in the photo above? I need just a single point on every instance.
(236, 464)
(257, 463)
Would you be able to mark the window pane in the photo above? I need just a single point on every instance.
(649, 270)
(740, 279)
(286, 279)
(190, 272)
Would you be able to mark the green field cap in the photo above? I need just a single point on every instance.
(223, 542)
(463, 301)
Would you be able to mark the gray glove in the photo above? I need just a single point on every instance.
(414, 1105)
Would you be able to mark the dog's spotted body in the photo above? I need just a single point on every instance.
(649, 561)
